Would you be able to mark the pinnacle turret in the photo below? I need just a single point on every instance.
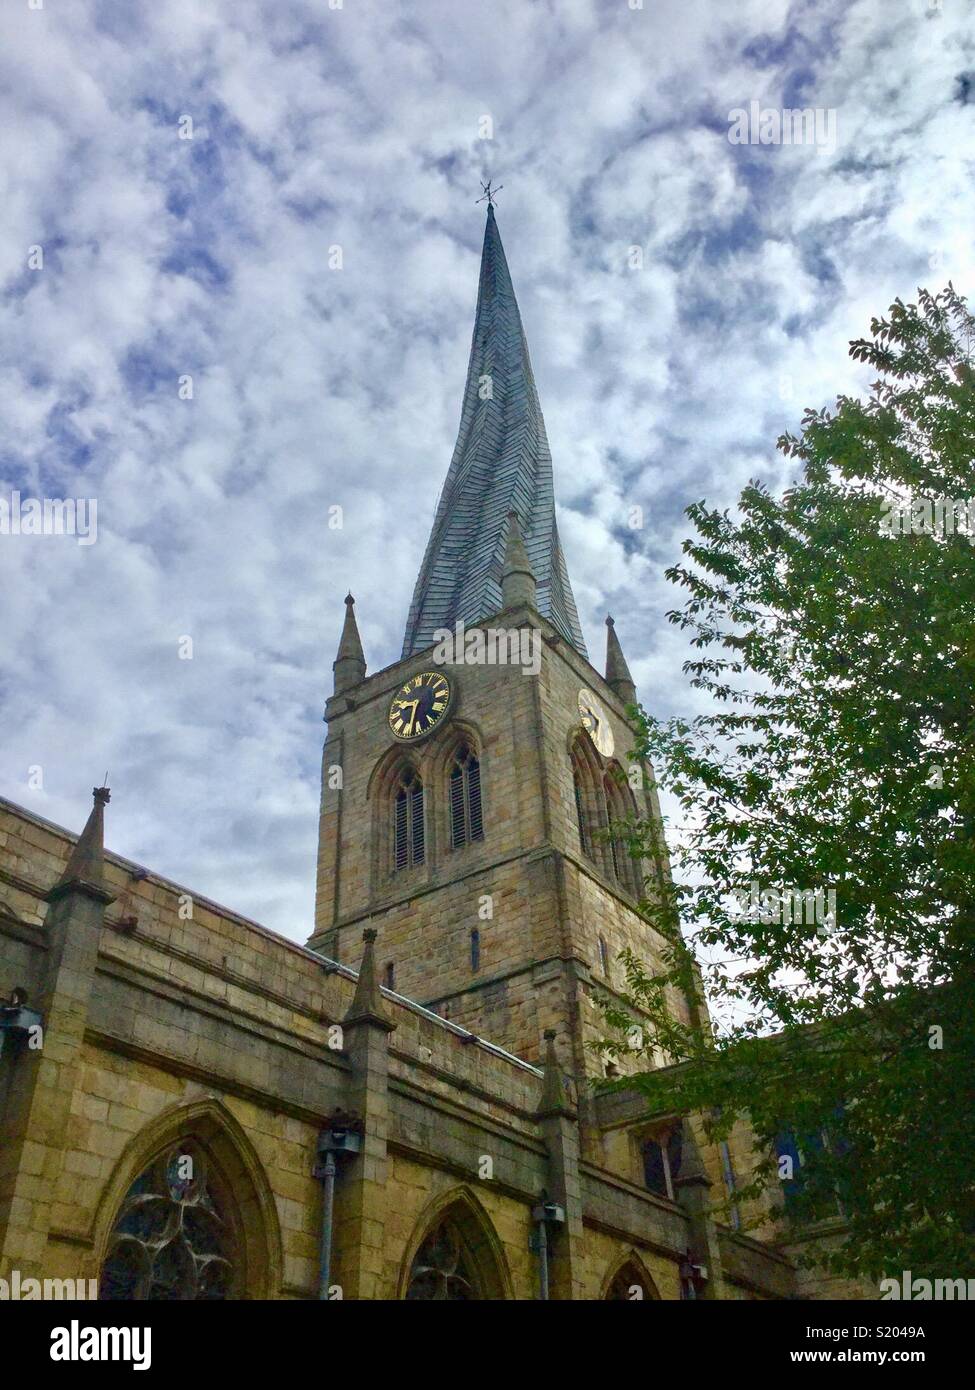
(518, 583)
(349, 665)
(618, 676)
(85, 869)
(367, 1002)
(553, 1100)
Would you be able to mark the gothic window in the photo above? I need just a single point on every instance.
(584, 776)
(629, 1285)
(807, 1201)
(466, 822)
(661, 1162)
(619, 806)
(171, 1239)
(408, 837)
(603, 802)
(389, 976)
(475, 949)
(580, 814)
(603, 956)
(443, 1270)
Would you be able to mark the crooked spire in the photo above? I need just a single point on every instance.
(501, 463)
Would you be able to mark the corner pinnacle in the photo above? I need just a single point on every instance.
(85, 869)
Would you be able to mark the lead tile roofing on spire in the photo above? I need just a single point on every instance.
(501, 463)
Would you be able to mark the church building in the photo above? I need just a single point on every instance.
(194, 1107)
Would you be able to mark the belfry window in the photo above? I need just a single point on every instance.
(408, 833)
(584, 773)
(466, 820)
(603, 803)
(584, 844)
(619, 862)
(171, 1239)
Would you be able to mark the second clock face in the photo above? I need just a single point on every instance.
(419, 705)
(596, 721)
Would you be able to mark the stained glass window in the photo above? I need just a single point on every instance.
(171, 1239)
(442, 1270)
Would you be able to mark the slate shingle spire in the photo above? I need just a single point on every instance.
(501, 463)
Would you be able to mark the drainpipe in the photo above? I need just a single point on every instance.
(342, 1137)
(327, 1173)
(545, 1214)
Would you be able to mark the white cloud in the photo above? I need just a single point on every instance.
(313, 387)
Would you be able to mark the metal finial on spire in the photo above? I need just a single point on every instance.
(489, 193)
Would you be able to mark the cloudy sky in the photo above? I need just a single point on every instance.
(308, 260)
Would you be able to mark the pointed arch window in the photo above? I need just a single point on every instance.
(584, 843)
(618, 861)
(172, 1238)
(443, 1270)
(408, 826)
(603, 802)
(583, 793)
(629, 1285)
(620, 807)
(661, 1162)
(466, 818)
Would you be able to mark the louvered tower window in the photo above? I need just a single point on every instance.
(614, 850)
(466, 822)
(408, 821)
(618, 808)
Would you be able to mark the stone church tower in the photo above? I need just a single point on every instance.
(474, 839)
(193, 1107)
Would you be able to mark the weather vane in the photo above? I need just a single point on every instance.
(490, 193)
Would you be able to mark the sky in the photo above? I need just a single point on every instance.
(238, 263)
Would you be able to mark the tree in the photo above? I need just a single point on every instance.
(836, 770)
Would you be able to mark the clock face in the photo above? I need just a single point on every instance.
(419, 706)
(596, 721)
